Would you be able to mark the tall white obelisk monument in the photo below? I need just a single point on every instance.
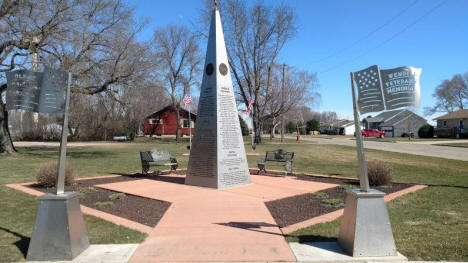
(217, 158)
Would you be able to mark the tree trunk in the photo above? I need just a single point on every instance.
(6, 144)
(179, 128)
(257, 131)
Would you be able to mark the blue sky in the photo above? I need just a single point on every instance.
(337, 37)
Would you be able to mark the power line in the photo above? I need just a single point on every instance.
(367, 35)
(387, 40)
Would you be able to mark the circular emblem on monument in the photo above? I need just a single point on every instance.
(209, 69)
(223, 69)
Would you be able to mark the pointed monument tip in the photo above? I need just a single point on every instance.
(215, 4)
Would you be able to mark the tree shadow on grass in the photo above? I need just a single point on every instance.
(22, 244)
(91, 154)
(39, 152)
(51, 153)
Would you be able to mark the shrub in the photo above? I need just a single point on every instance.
(312, 125)
(116, 196)
(380, 173)
(320, 195)
(88, 190)
(426, 131)
(244, 128)
(347, 186)
(47, 174)
(103, 204)
(332, 202)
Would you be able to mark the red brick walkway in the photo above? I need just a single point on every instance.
(216, 225)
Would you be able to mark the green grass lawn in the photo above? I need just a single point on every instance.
(430, 224)
(463, 144)
(406, 139)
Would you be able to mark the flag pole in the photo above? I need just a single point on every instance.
(363, 179)
(253, 132)
(190, 127)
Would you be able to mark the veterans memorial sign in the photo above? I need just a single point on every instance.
(365, 229)
(387, 89)
(380, 90)
(42, 92)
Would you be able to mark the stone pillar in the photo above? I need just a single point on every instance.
(365, 227)
(217, 158)
(59, 232)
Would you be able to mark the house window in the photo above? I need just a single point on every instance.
(185, 124)
(445, 123)
(154, 121)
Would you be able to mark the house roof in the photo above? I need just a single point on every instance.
(390, 118)
(384, 116)
(163, 108)
(337, 123)
(459, 114)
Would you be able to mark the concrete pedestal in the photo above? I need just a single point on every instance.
(59, 232)
(365, 228)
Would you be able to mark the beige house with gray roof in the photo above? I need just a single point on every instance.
(453, 123)
(396, 122)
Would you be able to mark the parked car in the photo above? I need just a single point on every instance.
(373, 133)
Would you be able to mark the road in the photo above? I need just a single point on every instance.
(417, 148)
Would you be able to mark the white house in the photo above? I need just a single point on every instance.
(338, 127)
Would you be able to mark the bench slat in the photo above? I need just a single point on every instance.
(277, 156)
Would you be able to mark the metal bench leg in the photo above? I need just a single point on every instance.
(260, 168)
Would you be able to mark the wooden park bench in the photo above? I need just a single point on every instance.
(157, 158)
(277, 156)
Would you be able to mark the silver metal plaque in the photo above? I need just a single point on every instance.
(42, 92)
(387, 89)
(370, 96)
(23, 90)
(401, 87)
(52, 99)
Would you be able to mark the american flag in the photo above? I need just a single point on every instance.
(249, 108)
(187, 100)
(369, 90)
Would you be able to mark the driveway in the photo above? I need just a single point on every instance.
(456, 153)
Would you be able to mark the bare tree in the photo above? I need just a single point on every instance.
(285, 90)
(327, 116)
(139, 103)
(451, 95)
(93, 39)
(176, 50)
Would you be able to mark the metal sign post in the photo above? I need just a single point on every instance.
(63, 143)
(363, 178)
(59, 232)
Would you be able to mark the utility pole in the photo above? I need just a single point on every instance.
(34, 68)
(282, 102)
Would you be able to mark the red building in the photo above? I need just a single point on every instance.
(164, 122)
